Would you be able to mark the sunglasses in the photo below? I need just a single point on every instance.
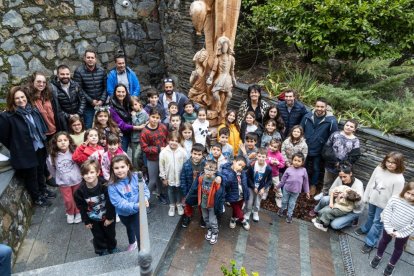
(168, 80)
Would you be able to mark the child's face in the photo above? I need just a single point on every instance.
(231, 117)
(296, 133)
(93, 137)
(175, 122)
(238, 166)
(187, 134)
(202, 116)
(274, 147)
(223, 139)
(270, 127)
(77, 127)
(261, 158)
(154, 119)
(189, 109)
(273, 113)
(250, 144)
(249, 120)
(216, 151)
(136, 106)
(120, 169)
(173, 143)
(409, 195)
(297, 162)
(209, 171)
(173, 110)
(91, 176)
(113, 148)
(153, 100)
(196, 156)
(102, 118)
(62, 142)
(391, 164)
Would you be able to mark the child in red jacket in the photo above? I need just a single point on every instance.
(89, 146)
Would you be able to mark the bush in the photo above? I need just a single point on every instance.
(234, 271)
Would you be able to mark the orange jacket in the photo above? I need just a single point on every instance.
(214, 188)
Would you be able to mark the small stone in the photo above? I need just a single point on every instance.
(40, 2)
(31, 10)
(125, 11)
(101, 39)
(145, 8)
(81, 47)
(104, 58)
(1, 61)
(133, 31)
(4, 33)
(90, 35)
(108, 26)
(106, 47)
(27, 55)
(88, 26)
(36, 65)
(35, 49)
(103, 12)
(26, 39)
(13, 19)
(50, 54)
(43, 53)
(38, 27)
(154, 31)
(24, 30)
(76, 35)
(70, 26)
(4, 79)
(130, 50)
(65, 49)
(14, 3)
(50, 34)
(69, 38)
(83, 7)
(8, 45)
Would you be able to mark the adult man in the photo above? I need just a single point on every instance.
(122, 74)
(318, 125)
(291, 110)
(68, 98)
(170, 96)
(92, 80)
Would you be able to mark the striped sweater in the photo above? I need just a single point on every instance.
(399, 216)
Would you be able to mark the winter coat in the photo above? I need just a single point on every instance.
(171, 163)
(275, 156)
(244, 108)
(187, 176)
(83, 152)
(134, 88)
(104, 158)
(234, 137)
(288, 149)
(292, 118)
(152, 140)
(92, 82)
(266, 180)
(229, 180)
(340, 148)
(64, 169)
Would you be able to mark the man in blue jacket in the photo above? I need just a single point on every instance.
(291, 110)
(122, 74)
(318, 125)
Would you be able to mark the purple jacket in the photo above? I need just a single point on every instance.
(123, 126)
(295, 180)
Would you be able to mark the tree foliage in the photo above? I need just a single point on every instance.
(344, 29)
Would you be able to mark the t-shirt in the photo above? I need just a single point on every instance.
(239, 183)
(197, 168)
(205, 190)
(258, 173)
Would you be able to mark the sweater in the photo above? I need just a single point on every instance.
(271, 156)
(266, 138)
(64, 170)
(357, 186)
(248, 152)
(78, 139)
(382, 185)
(138, 119)
(171, 164)
(189, 117)
(234, 137)
(200, 131)
(124, 195)
(295, 180)
(289, 148)
(220, 162)
(152, 140)
(399, 216)
(83, 152)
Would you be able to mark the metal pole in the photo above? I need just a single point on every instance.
(144, 254)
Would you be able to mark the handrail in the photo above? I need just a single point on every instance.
(144, 254)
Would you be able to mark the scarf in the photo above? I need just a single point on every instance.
(34, 121)
(124, 111)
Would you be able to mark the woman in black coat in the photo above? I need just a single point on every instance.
(23, 133)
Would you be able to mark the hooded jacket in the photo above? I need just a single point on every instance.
(229, 180)
(171, 164)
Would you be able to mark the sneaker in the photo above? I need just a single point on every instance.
(113, 251)
(280, 213)
(117, 219)
(162, 199)
(320, 226)
(78, 218)
(180, 210)
(208, 235)
(359, 232)
(388, 270)
(355, 222)
(213, 239)
(132, 246)
(186, 221)
(51, 182)
(48, 194)
(103, 253)
(70, 219)
(278, 201)
(312, 191)
(289, 219)
(318, 197)
(256, 216)
(171, 212)
(366, 249)
(375, 262)
(314, 220)
(312, 213)
(202, 223)
(246, 225)
(232, 223)
(42, 202)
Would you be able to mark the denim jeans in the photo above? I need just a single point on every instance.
(88, 115)
(131, 223)
(5, 259)
(315, 168)
(125, 140)
(174, 195)
(373, 226)
(289, 201)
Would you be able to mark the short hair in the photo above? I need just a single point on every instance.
(251, 136)
(240, 158)
(201, 109)
(173, 135)
(352, 195)
(172, 104)
(198, 147)
(112, 139)
(175, 115)
(154, 111)
(224, 131)
(90, 51)
(290, 90)
(189, 102)
(88, 164)
(322, 100)
(262, 151)
(299, 155)
(399, 161)
(409, 186)
(119, 55)
(152, 92)
(211, 163)
(136, 99)
(62, 66)
(217, 145)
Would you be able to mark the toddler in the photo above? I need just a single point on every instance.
(276, 162)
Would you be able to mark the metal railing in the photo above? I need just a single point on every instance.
(144, 254)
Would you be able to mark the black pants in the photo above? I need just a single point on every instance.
(33, 178)
(132, 225)
(104, 237)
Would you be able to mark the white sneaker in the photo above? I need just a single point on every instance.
(247, 216)
(318, 197)
(180, 210)
(70, 219)
(246, 225)
(78, 218)
(320, 226)
(171, 212)
(256, 216)
(132, 246)
(279, 202)
(117, 219)
(232, 223)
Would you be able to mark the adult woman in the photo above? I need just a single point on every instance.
(253, 103)
(120, 109)
(345, 177)
(23, 133)
(341, 146)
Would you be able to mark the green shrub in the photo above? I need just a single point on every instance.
(234, 271)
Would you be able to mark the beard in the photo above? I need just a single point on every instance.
(64, 80)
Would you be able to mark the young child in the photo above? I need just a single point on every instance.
(237, 193)
(96, 209)
(294, 143)
(89, 146)
(250, 125)
(200, 126)
(65, 171)
(175, 123)
(105, 125)
(248, 150)
(386, 180)
(172, 159)
(226, 148)
(216, 156)
(153, 97)
(139, 119)
(153, 140)
(399, 224)
(276, 162)
(234, 135)
(293, 181)
(172, 110)
(77, 129)
(191, 169)
(269, 133)
(339, 206)
(259, 180)
(187, 138)
(274, 114)
(124, 194)
(189, 114)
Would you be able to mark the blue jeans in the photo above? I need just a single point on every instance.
(289, 201)
(316, 168)
(88, 115)
(373, 226)
(322, 203)
(125, 139)
(174, 195)
(338, 223)
(5, 259)
(131, 223)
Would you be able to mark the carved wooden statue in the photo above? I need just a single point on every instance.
(198, 79)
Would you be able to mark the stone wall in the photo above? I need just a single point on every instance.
(41, 34)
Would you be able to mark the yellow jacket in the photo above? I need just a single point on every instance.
(234, 138)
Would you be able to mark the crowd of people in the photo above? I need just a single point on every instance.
(75, 134)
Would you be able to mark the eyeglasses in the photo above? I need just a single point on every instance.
(209, 170)
(168, 80)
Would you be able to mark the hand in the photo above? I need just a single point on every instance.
(108, 222)
(88, 226)
(393, 234)
(252, 155)
(94, 102)
(275, 188)
(243, 148)
(308, 195)
(335, 194)
(86, 142)
(165, 182)
(261, 192)
(99, 103)
(256, 191)
(146, 203)
(217, 179)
